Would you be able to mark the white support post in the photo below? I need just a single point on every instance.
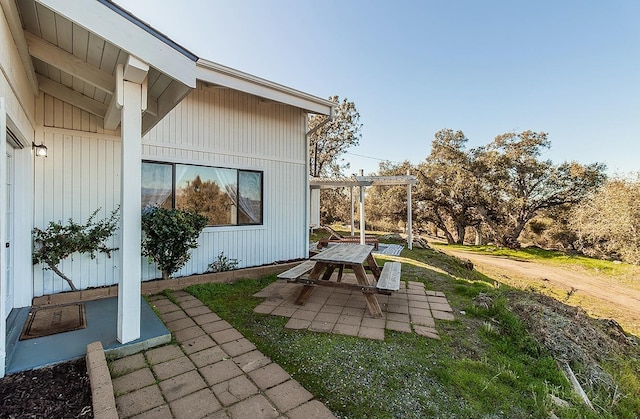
(353, 210)
(409, 220)
(362, 226)
(130, 211)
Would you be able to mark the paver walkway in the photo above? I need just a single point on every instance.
(212, 372)
(337, 310)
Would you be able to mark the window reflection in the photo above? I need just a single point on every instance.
(157, 185)
(224, 196)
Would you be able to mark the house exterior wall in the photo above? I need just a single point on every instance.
(19, 104)
(226, 128)
(80, 175)
(211, 127)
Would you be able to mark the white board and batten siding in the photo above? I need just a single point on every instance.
(226, 128)
(80, 175)
(211, 127)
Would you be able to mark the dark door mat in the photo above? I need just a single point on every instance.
(52, 320)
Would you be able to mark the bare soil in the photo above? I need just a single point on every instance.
(59, 391)
(599, 294)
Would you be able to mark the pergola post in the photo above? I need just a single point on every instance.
(362, 226)
(131, 97)
(409, 220)
(353, 209)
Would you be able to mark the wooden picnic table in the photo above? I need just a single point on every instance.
(356, 257)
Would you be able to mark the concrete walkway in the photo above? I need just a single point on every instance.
(212, 372)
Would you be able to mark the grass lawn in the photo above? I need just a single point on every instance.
(487, 363)
(554, 258)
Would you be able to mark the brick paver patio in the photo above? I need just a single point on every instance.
(340, 311)
(212, 372)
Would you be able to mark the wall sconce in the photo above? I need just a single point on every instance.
(41, 150)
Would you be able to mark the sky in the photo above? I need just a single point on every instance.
(568, 68)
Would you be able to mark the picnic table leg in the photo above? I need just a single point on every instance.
(304, 294)
(308, 289)
(373, 265)
(372, 301)
(327, 274)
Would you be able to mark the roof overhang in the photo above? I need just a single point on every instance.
(71, 51)
(332, 183)
(219, 75)
(130, 34)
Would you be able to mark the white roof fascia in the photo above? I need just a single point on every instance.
(127, 35)
(210, 72)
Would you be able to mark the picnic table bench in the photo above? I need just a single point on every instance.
(318, 270)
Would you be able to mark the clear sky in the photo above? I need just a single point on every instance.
(569, 68)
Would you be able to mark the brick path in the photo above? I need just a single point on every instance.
(213, 372)
(340, 311)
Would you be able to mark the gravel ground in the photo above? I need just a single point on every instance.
(59, 391)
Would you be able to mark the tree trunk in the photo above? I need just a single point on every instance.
(166, 274)
(460, 232)
(450, 239)
(63, 276)
(479, 237)
(511, 239)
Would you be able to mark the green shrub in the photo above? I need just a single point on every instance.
(223, 264)
(57, 242)
(169, 234)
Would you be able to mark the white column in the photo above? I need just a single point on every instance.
(132, 89)
(409, 220)
(353, 210)
(362, 226)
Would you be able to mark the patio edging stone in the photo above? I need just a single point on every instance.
(156, 286)
(102, 397)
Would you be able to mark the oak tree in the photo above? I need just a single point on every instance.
(330, 138)
(515, 184)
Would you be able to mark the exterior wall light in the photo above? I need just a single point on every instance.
(41, 150)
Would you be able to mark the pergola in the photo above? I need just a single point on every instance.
(360, 181)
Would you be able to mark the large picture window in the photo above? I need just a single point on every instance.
(224, 196)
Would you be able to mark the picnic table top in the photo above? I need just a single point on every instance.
(345, 253)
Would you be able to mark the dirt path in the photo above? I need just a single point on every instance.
(605, 297)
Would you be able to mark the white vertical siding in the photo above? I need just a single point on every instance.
(80, 175)
(226, 128)
(19, 101)
(213, 127)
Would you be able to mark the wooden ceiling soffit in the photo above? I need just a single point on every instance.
(68, 95)
(69, 63)
(13, 19)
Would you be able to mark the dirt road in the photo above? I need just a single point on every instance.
(600, 295)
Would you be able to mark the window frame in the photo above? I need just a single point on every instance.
(237, 170)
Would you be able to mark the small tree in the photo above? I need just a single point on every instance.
(57, 242)
(169, 234)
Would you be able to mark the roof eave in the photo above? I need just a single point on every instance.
(137, 37)
(218, 74)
